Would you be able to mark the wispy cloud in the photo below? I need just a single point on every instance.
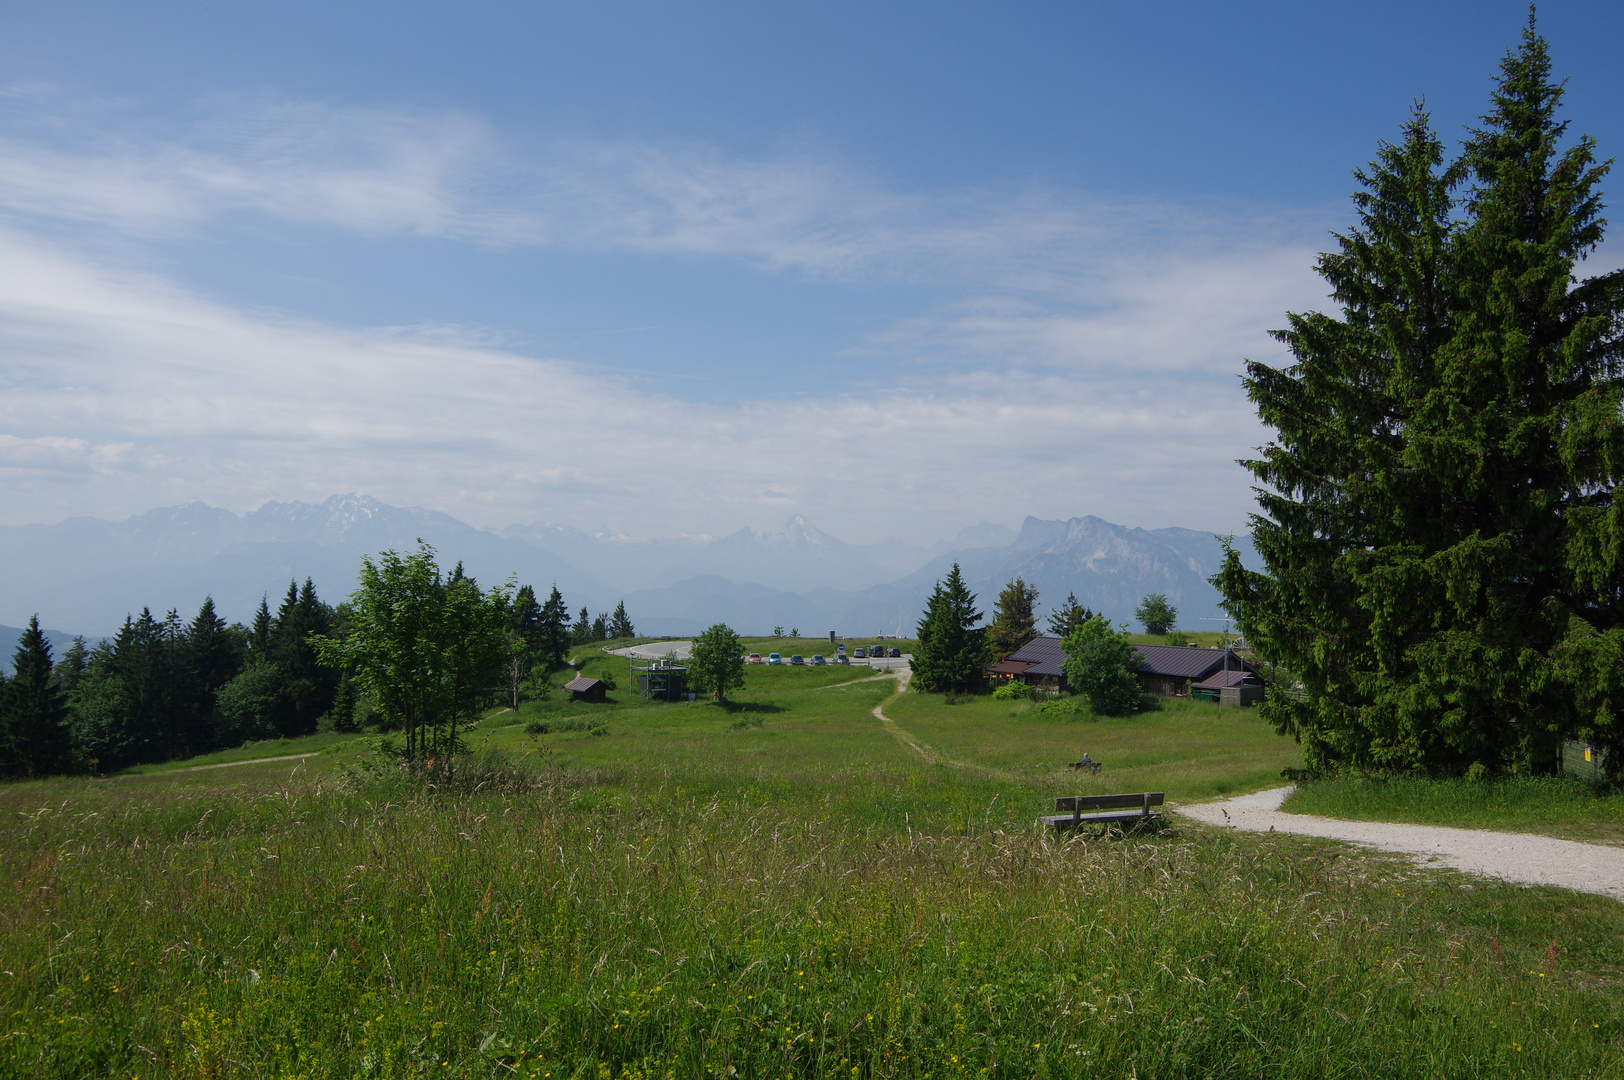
(1080, 356)
(158, 396)
(448, 174)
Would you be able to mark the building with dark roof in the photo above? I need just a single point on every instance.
(1168, 670)
(582, 688)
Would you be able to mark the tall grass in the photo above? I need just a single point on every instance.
(1563, 806)
(858, 921)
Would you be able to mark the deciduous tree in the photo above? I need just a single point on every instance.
(716, 664)
(1157, 615)
(425, 645)
(1100, 662)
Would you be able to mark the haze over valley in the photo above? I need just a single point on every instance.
(85, 575)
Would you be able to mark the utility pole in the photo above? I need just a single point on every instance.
(1226, 664)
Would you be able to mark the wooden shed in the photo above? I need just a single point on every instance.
(582, 688)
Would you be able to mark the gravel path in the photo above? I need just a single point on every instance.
(250, 761)
(1532, 860)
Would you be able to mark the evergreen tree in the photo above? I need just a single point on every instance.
(34, 709)
(554, 632)
(600, 627)
(212, 657)
(526, 616)
(1157, 615)
(72, 667)
(951, 656)
(307, 687)
(126, 708)
(581, 632)
(259, 639)
(1101, 662)
(1444, 552)
(1014, 621)
(1068, 616)
(620, 624)
(716, 664)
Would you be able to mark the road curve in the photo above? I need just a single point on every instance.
(653, 650)
(1520, 857)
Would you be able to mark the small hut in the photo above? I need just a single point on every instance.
(582, 688)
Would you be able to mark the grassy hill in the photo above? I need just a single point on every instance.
(786, 886)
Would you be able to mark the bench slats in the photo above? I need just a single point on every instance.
(1106, 808)
(1084, 803)
(1071, 821)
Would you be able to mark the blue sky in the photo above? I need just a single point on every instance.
(684, 268)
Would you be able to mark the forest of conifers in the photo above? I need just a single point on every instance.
(164, 688)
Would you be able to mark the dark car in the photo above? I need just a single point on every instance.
(894, 652)
(797, 659)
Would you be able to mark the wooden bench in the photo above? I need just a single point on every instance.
(1104, 809)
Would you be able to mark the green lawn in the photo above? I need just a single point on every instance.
(780, 887)
(1185, 749)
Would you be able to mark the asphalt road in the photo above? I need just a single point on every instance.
(653, 650)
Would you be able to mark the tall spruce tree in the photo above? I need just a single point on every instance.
(951, 656)
(1443, 544)
(1014, 621)
(581, 632)
(1068, 616)
(553, 632)
(620, 624)
(34, 709)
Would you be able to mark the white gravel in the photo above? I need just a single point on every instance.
(1532, 860)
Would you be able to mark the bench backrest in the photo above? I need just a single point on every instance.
(1085, 803)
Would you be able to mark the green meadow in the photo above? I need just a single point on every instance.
(785, 886)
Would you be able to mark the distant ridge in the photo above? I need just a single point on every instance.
(87, 573)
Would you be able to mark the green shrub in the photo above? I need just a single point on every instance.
(1012, 691)
(589, 724)
(1064, 709)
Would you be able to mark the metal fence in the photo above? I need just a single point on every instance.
(1582, 759)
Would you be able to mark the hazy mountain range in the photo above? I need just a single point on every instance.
(86, 574)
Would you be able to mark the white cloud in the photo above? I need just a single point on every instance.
(168, 397)
(449, 175)
(1086, 365)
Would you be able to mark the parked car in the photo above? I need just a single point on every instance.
(894, 652)
(797, 659)
(842, 659)
(753, 658)
(860, 654)
(818, 659)
(774, 658)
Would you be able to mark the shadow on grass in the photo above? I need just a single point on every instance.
(733, 708)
